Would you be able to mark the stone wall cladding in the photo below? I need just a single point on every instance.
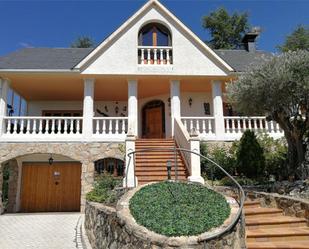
(114, 228)
(13, 182)
(85, 153)
(290, 206)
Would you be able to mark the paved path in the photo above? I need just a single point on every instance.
(40, 231)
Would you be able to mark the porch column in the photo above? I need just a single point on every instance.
(218, 108)
(4, 87)
(88, 108)
(175, 102)
(132, 107)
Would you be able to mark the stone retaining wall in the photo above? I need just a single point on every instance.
(291, 206)
(113, 228)
(85, 153)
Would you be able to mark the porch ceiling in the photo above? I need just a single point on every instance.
(70, 87)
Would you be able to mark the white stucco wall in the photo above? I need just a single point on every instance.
(120, 57)
(35, 108)
(197, 108)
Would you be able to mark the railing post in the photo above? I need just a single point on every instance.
(195, 160)
(132, 107)
(130, 181)
(4, 87)
(218, 109)
(175, 102)
(88, 108)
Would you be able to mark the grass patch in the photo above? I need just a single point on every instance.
(176, 209)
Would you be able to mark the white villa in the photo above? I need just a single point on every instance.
(67, 113)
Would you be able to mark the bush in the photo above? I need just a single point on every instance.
(178, 209)
(250, 156)
(104, 190)
(222, 156)
(243, 181)
(275, 153)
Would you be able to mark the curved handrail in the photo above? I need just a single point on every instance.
(240, 189)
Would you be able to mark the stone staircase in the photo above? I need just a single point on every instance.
(150, 166)
(268, 228)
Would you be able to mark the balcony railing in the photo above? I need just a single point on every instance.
(42, 125)
(148, 55)
(259, 124)
(110, 125)
(203, 125)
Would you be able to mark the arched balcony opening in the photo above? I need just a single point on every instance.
(155, 45)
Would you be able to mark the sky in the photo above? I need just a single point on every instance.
(57, 23)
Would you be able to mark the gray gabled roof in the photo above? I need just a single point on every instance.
(67, 58)
(242, 60)
(44, 58)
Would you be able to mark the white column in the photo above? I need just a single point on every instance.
(4, 87)
(132, 107)
(175, 102)
(195, 160)
(130, 180)
(88, 108)
(218, 108)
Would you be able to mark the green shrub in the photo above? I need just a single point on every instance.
(176, 209)
(5, 186)
(275, 153)
(222, 156)
(103, 190)
(250, 156)
(243, 181)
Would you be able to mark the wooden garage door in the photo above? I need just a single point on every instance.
(51, 188)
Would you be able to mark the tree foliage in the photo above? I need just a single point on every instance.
(298, 39)
(83, 42)
(278, 88)
(250, 156)
(226, 30)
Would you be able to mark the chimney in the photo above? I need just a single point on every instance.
(249, 39)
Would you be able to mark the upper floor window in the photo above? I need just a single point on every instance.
(155, 45)
(155, 34)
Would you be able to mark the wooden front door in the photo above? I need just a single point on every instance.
(51, 188)
(154, 127)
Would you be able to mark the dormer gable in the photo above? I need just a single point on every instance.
(153, 41)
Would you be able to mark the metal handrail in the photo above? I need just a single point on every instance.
(241, 192)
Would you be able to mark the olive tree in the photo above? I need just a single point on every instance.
(279, 89)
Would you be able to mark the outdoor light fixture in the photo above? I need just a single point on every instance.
(190, 101)
(169, 169)
(51, 159)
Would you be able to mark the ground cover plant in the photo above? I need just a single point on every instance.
(104, 190)
(176, 209)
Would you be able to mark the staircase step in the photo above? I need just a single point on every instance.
(252, 204)
(278, 234)
(156, 178)
(262, 212)
(286, 244)
(157, 168)
(274, 222)
(158, 173)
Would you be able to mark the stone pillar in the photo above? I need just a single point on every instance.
(130, 181)
(218, 109)
(13, 184)
(175, 102)
(132, 107)
(87, 180)
(88, 109)
(195, 160)
(1, 184)
(4, 87)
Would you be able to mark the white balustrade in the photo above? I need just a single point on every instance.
(148, 55)
(43, 125)
(110, 125)
(203, 125)
(235, 125)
